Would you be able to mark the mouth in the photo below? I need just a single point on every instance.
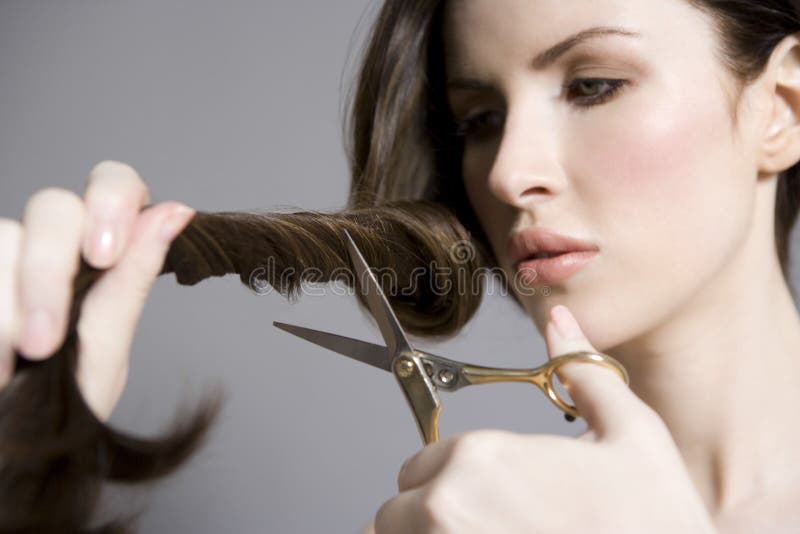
(543, 257)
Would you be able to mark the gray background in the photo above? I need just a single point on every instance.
(225, 106)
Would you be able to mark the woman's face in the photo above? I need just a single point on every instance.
(654, 173)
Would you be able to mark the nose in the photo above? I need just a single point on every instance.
(526, 170)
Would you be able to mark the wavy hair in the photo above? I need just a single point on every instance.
(407, 208)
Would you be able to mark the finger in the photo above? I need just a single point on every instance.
(113, 305)
(601, 397)
(424, 465)
(115, 193)
(403, 514)
(433, 458)
(10, 243)
(49, 258)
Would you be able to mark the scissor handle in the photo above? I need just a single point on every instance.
(420, 393)
(542, 376)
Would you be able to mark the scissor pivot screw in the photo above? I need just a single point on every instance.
(404, 368)
(446, 376)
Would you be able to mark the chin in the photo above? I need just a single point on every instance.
(603, 326)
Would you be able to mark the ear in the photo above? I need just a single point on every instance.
(781, 142)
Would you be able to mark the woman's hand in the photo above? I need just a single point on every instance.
(623, 476)
(39, 258)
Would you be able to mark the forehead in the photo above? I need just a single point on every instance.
(481, 33)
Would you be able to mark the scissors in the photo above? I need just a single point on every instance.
(421, 374)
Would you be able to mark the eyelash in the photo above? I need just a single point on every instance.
(474, 124)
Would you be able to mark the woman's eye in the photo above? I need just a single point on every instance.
(583, 92)
(587, 92)
(479, 125)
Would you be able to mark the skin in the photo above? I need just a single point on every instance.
(623, 476)
(39, 258)
(660, 163)
(686, 291)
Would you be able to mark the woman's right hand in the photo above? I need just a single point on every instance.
(39, 259)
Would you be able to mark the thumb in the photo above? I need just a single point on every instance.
(113, 306)
(600, 395)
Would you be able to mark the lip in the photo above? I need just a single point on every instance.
(554, 270)
(574, 254)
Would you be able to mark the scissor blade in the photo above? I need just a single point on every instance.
(368, 285)
(375, 355)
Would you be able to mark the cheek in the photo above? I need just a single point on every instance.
(656, 157)
(666, 194)
(666, 169)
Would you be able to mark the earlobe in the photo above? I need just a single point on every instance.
(781, 142)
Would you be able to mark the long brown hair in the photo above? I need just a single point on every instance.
(407, 210)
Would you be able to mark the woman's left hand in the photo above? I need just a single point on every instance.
(625, 475)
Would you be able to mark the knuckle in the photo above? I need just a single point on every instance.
(472, 446)
(383, 515)
(116, 174)
(382, 511)
(63, 201)
(110, 167)
(434, 503)
(403, 476)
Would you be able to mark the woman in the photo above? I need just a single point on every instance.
(662, 135)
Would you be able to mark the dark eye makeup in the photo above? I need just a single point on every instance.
(582, 92)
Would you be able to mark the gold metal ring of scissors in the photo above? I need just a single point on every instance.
(421, 374)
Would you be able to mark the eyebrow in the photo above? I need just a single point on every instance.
(549, 56)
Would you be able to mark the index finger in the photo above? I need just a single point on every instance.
(429, 462)
(601, 397)
(115, 193)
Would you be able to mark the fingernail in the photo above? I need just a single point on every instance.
(102, 242)
(39, 328)
(565, 323)
(175, 222)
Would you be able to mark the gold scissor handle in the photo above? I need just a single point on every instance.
(542, 376)
(420, 393)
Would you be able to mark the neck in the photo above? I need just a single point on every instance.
(723, 373)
